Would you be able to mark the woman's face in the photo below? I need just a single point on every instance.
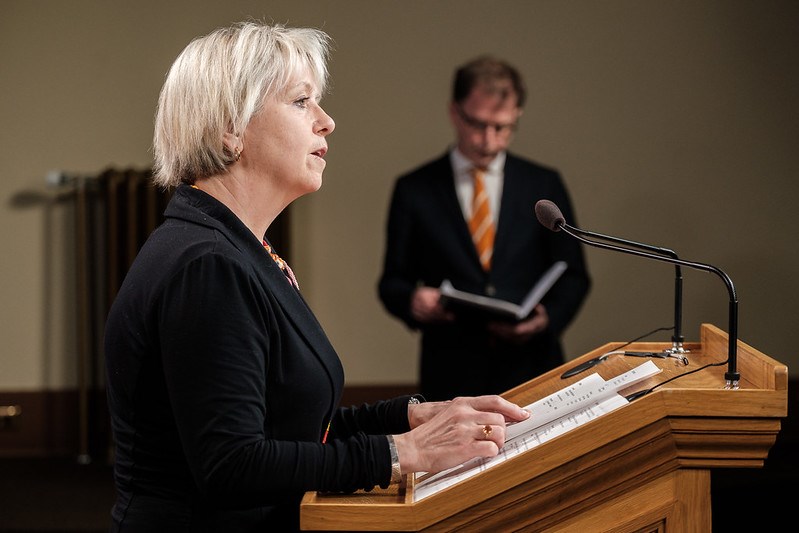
(286, 141)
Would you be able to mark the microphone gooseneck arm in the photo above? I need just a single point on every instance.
(677, 339)
(550, 216)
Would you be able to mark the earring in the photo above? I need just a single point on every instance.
(237, 154)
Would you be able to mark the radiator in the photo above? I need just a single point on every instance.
(115, 212)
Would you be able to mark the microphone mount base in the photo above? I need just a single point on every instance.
(732, 384)
(677, 348)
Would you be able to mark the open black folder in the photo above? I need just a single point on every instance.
(456, 300)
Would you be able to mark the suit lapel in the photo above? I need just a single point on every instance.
(443, 179)
(296, 309)
(201, 208)
(508, 209)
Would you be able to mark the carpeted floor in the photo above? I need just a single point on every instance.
(55, 495)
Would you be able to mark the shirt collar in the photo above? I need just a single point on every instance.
(461, 165)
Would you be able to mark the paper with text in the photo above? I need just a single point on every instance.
(553, 415)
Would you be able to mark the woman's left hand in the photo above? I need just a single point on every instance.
(446, 434)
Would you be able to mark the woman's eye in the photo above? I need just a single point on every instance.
(302, 102)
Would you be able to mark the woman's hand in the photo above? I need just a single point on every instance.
(446, 434)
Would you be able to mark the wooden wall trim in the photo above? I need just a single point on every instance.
(45, 426)
(48, 424)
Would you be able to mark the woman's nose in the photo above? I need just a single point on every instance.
(325, 124)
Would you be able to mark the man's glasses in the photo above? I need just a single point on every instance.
(479, 125)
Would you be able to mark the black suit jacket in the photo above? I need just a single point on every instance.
(428, 240)
(221, 385)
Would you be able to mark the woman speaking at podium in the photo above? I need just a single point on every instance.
(223, 388)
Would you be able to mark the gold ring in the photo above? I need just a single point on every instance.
(487, 431)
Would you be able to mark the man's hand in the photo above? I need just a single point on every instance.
(426, 306)
(521, 332)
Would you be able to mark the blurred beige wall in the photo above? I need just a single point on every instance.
(673, 123)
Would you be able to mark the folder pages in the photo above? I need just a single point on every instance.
(457, 300)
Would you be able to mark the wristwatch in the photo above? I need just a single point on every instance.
(396, 473)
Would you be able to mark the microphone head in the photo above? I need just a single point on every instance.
(549, 215)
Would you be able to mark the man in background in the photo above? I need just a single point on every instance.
(468, 217)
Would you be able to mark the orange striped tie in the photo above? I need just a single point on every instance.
(481, 226)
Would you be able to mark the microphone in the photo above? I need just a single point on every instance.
(550, 216)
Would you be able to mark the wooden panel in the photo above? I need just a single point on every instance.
(47, 425)
(675, 502)
(644, 467)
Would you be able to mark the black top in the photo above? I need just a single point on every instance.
(221, 385)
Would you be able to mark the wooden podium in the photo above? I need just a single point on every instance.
(644, 467)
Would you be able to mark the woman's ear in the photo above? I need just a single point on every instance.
(233, 144)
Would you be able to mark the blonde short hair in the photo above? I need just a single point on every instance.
(216, 85)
